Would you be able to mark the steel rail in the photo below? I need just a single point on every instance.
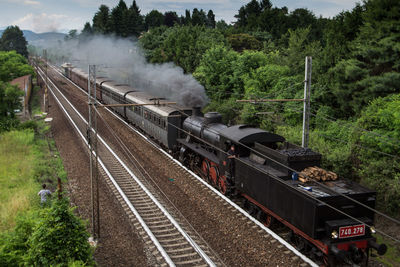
(196, 247)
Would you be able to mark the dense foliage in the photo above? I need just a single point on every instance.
(12, 65)
(355, 75)
(47, 237)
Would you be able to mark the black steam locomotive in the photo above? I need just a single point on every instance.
(260, 176)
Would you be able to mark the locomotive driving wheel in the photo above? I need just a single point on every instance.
(265, 218)
(205, 168)
(222, 185)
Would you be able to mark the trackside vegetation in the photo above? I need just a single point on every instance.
(29, 233)
(32, 234)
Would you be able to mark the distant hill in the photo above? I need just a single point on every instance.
(41, 39)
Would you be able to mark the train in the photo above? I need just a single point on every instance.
(263, 174)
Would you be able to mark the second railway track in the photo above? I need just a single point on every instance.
(264, 240)
(172, 245)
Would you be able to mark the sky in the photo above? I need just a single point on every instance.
(64, 15)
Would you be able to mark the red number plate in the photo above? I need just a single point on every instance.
(351, 231)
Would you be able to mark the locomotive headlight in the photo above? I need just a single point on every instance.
(334, 234)
(373, 231)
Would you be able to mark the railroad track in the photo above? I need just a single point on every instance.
(296, 257)
(169, 243)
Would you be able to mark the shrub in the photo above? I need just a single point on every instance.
(60, 237)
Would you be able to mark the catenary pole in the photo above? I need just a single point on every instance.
(307, 98)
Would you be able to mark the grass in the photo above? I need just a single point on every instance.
(17, 186)
(392, 256)
(35, 101)
(28, 158)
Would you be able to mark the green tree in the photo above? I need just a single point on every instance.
(87, 29)
(135, 23)
(186, 45)
(101, 20)
(381, 119)
(119, 19)
(13, 39)
(9, 99)
(211, 19)
(170, 18)
(72, 35)
(13, 65)
(215, 72)
(154, 19)
(199, 17)
(60, 237)
(374, 66)
(243, 41)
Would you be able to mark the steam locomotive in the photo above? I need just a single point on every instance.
(269, 190)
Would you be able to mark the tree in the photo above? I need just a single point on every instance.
(13, 65)
(87, 29)
(210, 19)
(59, 237)
(373, 69)
(381, 120)
(9, 99)
(72, 34)
(118, 19)
(170, 18)
(215, 72)
(242, 41)
(199, 17)
(101, 20)
(135, 24)
(185, 45)
(13, 39)
(154, 19)
(188, 18)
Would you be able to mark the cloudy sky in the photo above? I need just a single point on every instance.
(62, 15)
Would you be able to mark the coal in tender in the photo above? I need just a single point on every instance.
(298, 152)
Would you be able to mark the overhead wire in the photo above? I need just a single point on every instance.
(297, 189)
(283, 182)
(345, 142)
(332, 119)
(140, 167)
(293, 170)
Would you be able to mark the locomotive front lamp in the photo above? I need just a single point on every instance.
(334, 234)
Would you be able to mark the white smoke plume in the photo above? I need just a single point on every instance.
(123, 61)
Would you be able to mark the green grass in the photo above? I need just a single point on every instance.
(35, 101)
(17, 186)
(28, 158)
(392, 256)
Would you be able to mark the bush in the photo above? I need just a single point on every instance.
(59, 237)
(47, 237)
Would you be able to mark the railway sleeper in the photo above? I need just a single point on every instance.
(180, 256)
(170, 246)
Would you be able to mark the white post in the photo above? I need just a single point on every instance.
(307, 98)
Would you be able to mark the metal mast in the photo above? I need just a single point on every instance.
(307, 98)
(94, 181)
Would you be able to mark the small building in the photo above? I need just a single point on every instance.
(25, 84)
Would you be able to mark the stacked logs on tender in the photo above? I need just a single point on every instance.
(316, 174)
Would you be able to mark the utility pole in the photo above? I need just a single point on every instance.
(306, 102)
(307, 99)
(46, 94)
(94, 181)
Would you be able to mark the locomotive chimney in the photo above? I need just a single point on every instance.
(197, 112)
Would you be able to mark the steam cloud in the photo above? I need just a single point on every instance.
(123, 61)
